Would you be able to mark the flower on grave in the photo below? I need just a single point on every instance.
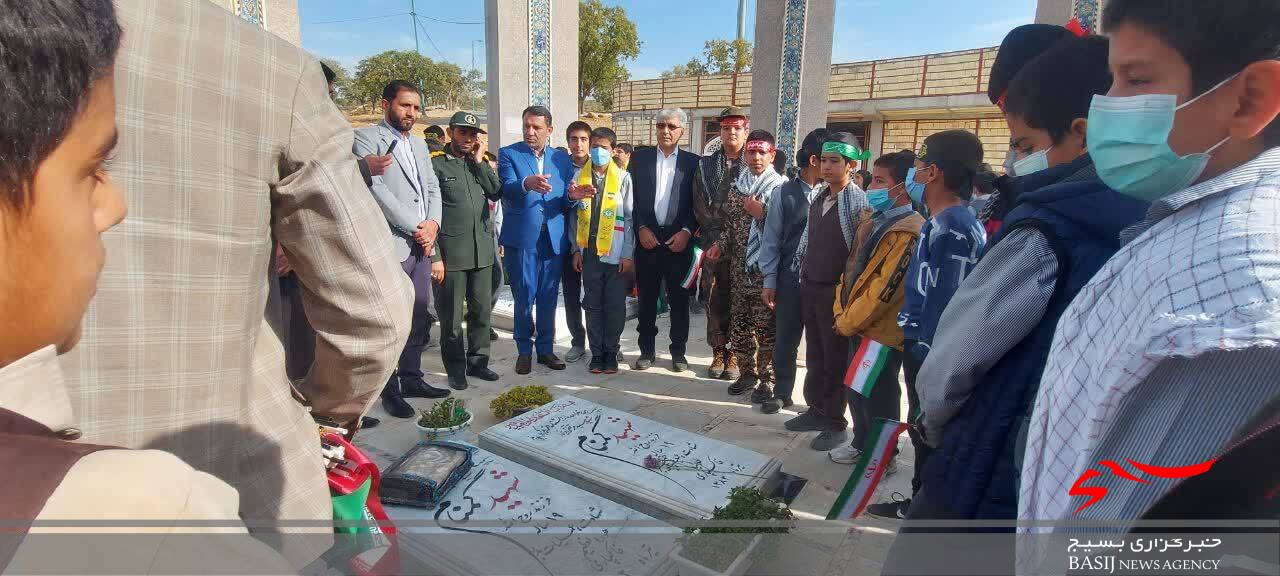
(651, 462)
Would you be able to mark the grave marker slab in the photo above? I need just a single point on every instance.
(661, 471)
(504, 518)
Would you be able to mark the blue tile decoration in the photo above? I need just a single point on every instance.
(251, 11)
(540, 52)
(793, 26)
(1087, 12)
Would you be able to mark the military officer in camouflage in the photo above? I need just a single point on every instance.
(463, 264)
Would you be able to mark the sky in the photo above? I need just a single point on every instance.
(671, 31)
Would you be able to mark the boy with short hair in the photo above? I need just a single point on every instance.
(1171, 347)
(603, 244)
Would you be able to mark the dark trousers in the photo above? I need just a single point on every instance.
(884, 401)
(299, 338)
(571, 282)
(465, 295)
(535, 282)
(418, 267)
(605, 302)
(655, 269)
(790, 327)
(826, 355)
(910, 368)
(716, 274)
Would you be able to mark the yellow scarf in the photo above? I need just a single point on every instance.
(608, 210)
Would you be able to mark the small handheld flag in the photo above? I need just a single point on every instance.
(869, 471)
(866, 366)
(691, 277)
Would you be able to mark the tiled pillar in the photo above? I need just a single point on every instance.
(533, 59)
(280, 17)
(791, 68)
(1061, 11)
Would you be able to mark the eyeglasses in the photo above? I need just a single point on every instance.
(671, 127)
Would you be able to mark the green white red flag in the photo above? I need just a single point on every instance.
(869, 470)
(868, 362)
(691, 277)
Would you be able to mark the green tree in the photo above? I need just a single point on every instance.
(442, 83)
(606, 37)
(341, 83)
(725, 56)
(694, 67)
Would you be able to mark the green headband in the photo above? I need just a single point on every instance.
(848, 151)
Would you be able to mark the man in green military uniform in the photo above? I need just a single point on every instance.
(463, 264)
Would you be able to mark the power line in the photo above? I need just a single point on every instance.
(359, 19)
(450, 21)
(433, 42)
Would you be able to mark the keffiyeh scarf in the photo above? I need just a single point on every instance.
(851, 202)
(762, 188)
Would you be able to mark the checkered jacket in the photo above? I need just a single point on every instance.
(228, 139)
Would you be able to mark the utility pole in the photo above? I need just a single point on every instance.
(473, 52)
(413, 16)
(733, 53)
(742, 19)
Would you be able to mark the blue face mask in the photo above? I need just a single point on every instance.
(914, 189)
(1034, 162)
(879, 199)
(601, 156)
(1129, 144)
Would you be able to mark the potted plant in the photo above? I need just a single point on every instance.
(519, 400)
(446, 418)
(728, 551)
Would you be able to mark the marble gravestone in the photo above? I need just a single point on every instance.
(504, 311)
(661, 471)
(503, 518)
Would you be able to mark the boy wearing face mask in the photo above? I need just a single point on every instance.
(974, 399)
(1171, 347)
(603, 245)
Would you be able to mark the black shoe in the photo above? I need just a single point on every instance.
(395, 405)
(679, 363)
(551, 361)
(493, 334)
(458, 382)
(483, 373)
(420, 389)
(762, 393)
(807, 422)
(369, 422)
(744, 383)
(643, 362)
(895, 509)
(611, 364)
(596, 366)
(771, 406)
(524, 364)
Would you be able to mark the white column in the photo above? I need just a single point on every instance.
(791, 68)
(533, 59)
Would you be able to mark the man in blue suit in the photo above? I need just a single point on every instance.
(537, 194)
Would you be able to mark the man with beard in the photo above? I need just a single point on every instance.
(409, 195)
(463, 266)
(716, 173)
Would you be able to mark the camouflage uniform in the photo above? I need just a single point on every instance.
(709, 208)
(751, 324)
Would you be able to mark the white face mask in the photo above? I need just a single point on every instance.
(1033, 163)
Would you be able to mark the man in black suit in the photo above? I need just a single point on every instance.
(663, 206)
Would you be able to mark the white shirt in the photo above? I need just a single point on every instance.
(404, 155)
(666, 177)
(538, 155)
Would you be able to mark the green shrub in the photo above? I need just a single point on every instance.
(518, 398)
(718, 552)
(446, 413)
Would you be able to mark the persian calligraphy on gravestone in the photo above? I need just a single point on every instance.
(504, 518)
(657, 469)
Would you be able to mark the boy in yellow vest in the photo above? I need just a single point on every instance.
(602, 246)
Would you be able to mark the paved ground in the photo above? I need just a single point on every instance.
(686, 400)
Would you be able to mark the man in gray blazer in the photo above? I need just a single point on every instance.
(409, 196)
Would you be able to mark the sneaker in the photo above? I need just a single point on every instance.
(846, 454)
(806, 422)
(895, 509)
(743, 384)
(762, 393)
(716, 370)
(773, 405)
(679, 363)
(643, 362)
(575, 353)
(597, 365)
(611, 364)
(829, 440)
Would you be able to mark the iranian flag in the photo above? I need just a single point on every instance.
(866, 366)
(870, 469)
(691, 277)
